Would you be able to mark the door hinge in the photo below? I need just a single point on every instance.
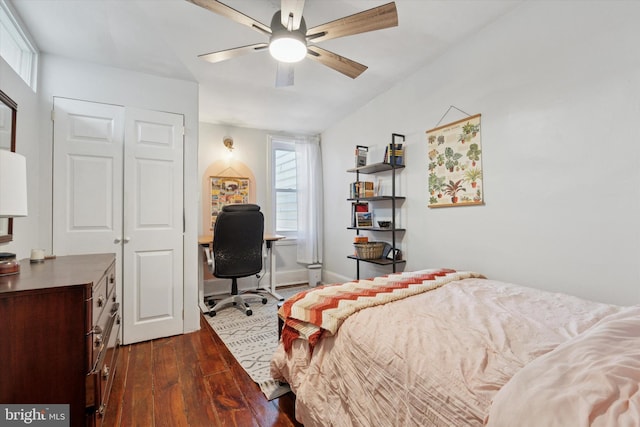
(53, 115)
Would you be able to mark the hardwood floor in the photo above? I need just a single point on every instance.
(190, 380)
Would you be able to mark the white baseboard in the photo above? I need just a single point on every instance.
(331, 277)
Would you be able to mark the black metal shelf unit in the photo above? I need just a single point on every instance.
(374, 169)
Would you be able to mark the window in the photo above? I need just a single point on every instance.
(284, 179)
(16, 47)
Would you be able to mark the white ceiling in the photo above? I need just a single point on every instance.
(164, 37)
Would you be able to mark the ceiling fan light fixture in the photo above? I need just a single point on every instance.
(287, 44)
(287, 48)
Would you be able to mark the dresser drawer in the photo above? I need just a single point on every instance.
(101, 334)
(103, 294)
(106, 342)
(108, 370)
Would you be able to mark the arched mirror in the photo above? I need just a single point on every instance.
(8, 114)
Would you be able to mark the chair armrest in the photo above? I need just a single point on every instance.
(207, 252)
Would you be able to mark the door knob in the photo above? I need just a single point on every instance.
(126, 239)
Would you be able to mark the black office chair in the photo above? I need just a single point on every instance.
(237, 251)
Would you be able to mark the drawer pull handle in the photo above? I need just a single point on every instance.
(114, 308)
(100, 301)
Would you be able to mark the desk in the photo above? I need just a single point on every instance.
(269, 239)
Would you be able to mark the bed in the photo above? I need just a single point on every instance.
(449, 348)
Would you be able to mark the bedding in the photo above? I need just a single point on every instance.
(435, 358)
(590, 380)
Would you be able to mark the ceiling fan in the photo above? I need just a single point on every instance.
(290, 41)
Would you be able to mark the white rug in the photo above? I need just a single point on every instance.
(253, 339)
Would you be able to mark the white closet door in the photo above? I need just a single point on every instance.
(153, 225)
(117, 188)
(87, 177)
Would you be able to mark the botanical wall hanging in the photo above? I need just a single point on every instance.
(455, 164)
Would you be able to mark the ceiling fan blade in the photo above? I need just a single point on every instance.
(339, 63)
(291, 8)
(380, 17)
(284, 74)
(223, 55)
(229, 12)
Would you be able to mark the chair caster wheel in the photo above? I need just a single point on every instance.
(249, 312)
(212, 314)
(264, 300)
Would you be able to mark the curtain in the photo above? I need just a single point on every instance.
(309, 186)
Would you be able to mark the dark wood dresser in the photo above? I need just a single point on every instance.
(60, 334)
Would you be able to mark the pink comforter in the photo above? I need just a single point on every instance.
(592, 380)
(436, 359)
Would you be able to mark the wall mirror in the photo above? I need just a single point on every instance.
(8, 114)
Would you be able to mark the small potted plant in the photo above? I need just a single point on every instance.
(474, 153)
(473, 175)
(451, 158)
(452, 189)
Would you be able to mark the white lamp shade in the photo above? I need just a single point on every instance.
(13, 184)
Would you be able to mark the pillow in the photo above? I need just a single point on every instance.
(590, 380)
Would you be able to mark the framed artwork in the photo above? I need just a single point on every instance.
(226, 190)
(455, 164)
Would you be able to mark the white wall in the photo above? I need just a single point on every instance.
(80, 80)
(26, 230)
(250, 149)
(557, 84)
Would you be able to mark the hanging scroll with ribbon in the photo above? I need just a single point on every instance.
(455, 164)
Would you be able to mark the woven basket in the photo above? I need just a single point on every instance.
(370, 250)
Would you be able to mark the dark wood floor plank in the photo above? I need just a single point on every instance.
(168, 392)
(229, 401)
(263, 410)
(197, 397)
(208, 352)
(190, 380)
(138, 402)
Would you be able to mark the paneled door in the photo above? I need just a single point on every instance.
(117, 187)
(153, 224)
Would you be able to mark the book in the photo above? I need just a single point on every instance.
(364, 219)
(397, 152)
(358, 207)
(361, 189)
(361, 155)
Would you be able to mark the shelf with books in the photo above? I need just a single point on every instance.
(375, 168)
(362, 193)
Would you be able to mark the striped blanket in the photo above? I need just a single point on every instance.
(311, 314)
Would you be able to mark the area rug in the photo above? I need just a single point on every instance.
(253, 339)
